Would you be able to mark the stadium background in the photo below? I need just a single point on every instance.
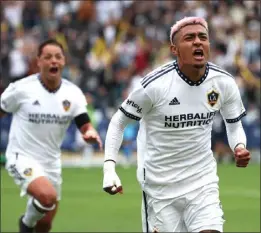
(109, 46)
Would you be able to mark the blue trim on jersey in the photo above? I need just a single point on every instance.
(150, 78)
(216, 68)
(127, 114)
(236, 119)
(46, 88)
(188, 80)
(150, 75)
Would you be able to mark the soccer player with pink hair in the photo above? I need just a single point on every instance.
(175, 105)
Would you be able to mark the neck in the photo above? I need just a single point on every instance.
(193, 73)
(50, 84)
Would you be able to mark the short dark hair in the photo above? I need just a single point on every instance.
(48, 42)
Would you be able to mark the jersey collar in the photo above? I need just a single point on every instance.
(46, 88)
(187, 80)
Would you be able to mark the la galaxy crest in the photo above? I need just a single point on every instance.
(66, 105)
(212, 96)
(28, 172)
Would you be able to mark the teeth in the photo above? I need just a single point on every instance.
(198, 52)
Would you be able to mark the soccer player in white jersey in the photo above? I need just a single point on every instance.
(43, 105)
(175, 105)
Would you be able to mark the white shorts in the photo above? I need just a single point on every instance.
(193, 212)
(24, 170)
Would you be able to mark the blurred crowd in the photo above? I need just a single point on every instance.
(110, 45)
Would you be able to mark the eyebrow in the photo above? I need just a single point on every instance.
(48, 54)
(193, 34)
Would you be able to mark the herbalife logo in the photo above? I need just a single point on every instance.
(174, 101)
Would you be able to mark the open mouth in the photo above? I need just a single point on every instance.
(53, 70)
(198, 54)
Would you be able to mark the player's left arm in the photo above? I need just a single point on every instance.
(89, 133)
(237, 141)
(232, 111)
(83, 123)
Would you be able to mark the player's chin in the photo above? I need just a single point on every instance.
(199, 64)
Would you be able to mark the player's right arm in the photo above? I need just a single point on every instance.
(9, 100)
(133, 108)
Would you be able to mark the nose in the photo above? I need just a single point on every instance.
(53, 60)
(197, 41)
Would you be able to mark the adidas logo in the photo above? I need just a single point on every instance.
(36, 102)
(174, 101)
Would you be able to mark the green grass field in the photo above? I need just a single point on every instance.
(86, 208)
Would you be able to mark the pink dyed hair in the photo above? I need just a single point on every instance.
(184, 22)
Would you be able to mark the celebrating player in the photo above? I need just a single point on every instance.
(43, 105)
(176, 104)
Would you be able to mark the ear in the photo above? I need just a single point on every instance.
(174, 50)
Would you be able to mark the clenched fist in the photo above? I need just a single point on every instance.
(91, 136)
(242, 156)
(111, 181)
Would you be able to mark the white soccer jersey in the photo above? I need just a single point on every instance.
(176, 116)
(40, 118)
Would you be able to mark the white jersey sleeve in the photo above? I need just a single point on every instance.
(114, 135)
(235, 135)
(10, 99)
(80, 103)
(137, 104)
(233, 109)
(134, 107)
